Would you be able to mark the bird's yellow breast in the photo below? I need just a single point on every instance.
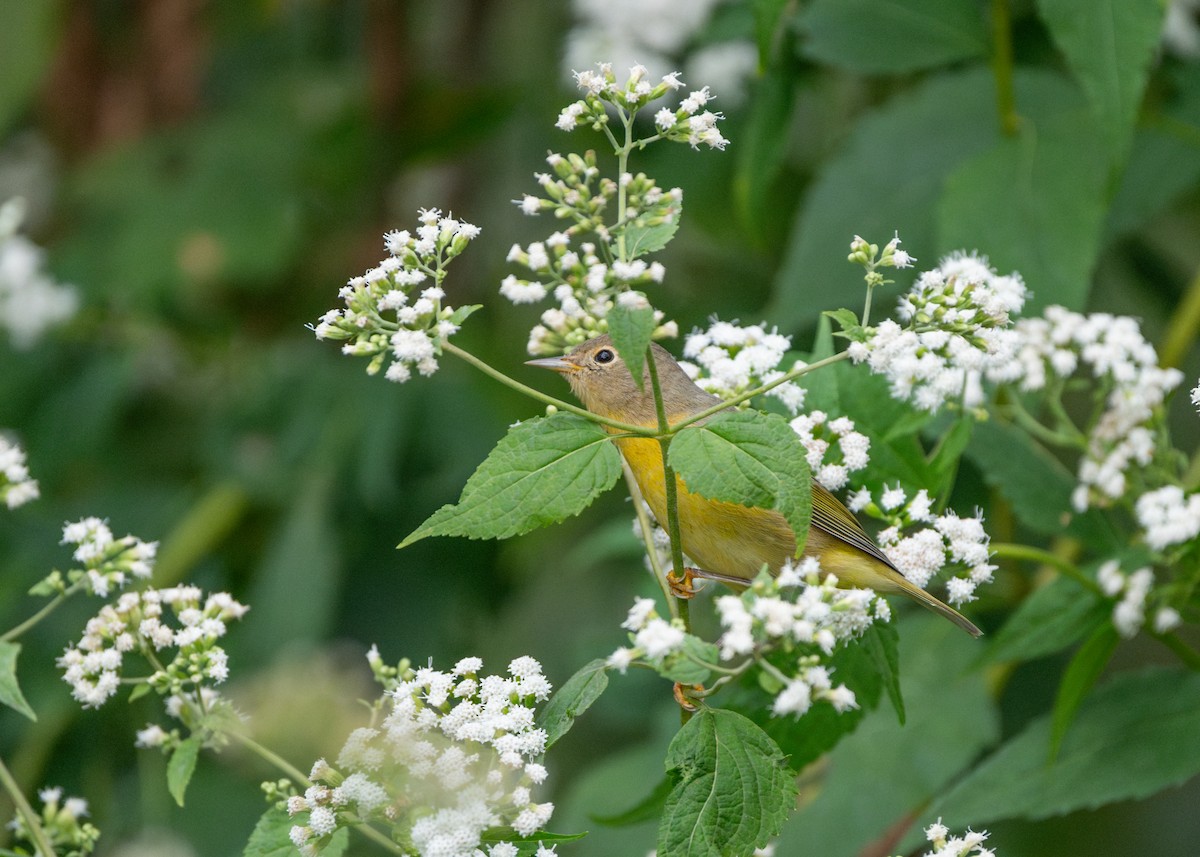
(725, 538)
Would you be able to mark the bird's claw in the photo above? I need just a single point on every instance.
(681, 584)
(681, 696)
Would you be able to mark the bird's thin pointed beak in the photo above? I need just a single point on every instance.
(555, 364)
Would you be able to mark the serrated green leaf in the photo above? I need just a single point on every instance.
(683, 669)
(1134, 736)
(1046, 199)
(897, 36)
(640, 240)
(647, 808)
(1109, 45)
(544, 470)
(10, 689)
(747, 457)
(1054, 617)
(882, 644)
(1081, 675)
(572, 699)
(270, 837)
(181, 766)
(631, 329)
(734, 788)
(847, 321)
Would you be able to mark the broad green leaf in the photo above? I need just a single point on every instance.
(1034, 482)
(1054, 617)
(1081, 675)
(572, 699)
(630, 329)
(544, 470)
(884, 771)
(640, 240)
(889, 176)
(270, 837)
(847, 320)
(763, 148)
(1134, 736)
(648, 808)
(683, 669)
(181, 766)
(873, 36)
(10, 690)
(882, 645)
(734, 788)
(1109, 45)
(1034, 204)
(747, 457)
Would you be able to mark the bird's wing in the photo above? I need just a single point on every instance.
(831, 516)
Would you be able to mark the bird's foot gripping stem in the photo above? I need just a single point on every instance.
(681, 584)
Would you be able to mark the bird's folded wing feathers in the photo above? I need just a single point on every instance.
(830, 515)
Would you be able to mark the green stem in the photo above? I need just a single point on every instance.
(36, 833)
(867, 305)
(1002, 67)
(1185, 653)
(540, 396)
(664, 442)
(1185, 322)
(758, 391)
(296, 775)
(46, 610)
(1031, 424)
(635, 494)
(1032, 554)
(622, 166)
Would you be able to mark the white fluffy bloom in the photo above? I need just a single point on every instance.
(1168, 516)
(31, 301)
(834, 448)
(728, 359)
(970, 844)
(16, 486)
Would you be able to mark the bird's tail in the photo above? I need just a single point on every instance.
(939, 607)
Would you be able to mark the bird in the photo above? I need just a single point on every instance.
(728, 542)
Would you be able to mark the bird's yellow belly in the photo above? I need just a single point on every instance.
(725, 538)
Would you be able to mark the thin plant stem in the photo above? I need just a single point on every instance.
(664, 441)
(36, 833)
(46, 610)
(1185, 653)
(866, 316)
(1185, 324)
(1028, 553)
(647, 529)
(540, 396)
(1002, 67)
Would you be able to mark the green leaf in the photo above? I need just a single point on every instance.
(527, 846)
(1134, 736)
(895, 36)
(1035, 204)
(890, 175)
(181, 766)
(747, 457)
(544, 470)
(640, 240)
(631, 329)
(1109, 45)
(649, 807)
(572, 699)
(10, 690)
(270, 837)
(768, 21)
(882, 643)
(1054, 617)
(1081, 675)
(683, 669)
(734, 788)
(883, 771)
(848, 324)
(949, 451)
(763, 148)
(139, 690)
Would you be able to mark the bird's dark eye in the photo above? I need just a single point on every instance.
(605, 355)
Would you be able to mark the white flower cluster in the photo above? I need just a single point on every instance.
(803, 614)
(1196, 396)
(728, 359)
(455, 756)
(107, 561)
(653, 637)
(835, 449)
(946, 540)
(30, 300)
(62, 822)
(1114, 352)
(137, 622)
(958, 329)
(415, 336)
(1168, 516)
(658, 33)
(16, 487)
(968, 845)
(1129, 613)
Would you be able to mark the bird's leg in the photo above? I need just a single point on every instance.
(686, 702)
(681, 584)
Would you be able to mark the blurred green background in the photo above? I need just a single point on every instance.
(207, 174)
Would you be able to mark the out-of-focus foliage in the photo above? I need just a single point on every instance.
(206, 174)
